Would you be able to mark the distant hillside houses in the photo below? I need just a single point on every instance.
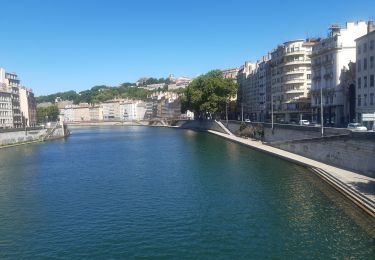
(162, 105)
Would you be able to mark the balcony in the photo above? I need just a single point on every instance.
(295, 91)
(294, 72)
(294, 81)
(297, 62)
(300, 52)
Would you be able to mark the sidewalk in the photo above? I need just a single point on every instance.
(356, 187)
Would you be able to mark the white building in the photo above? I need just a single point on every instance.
(111, 110)
(365, 89)
(96, 113)
(329, 57)
(128, 110)
(141, 110)
(68, 113)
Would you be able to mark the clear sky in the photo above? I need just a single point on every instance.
(57, 45)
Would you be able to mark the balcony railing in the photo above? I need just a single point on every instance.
(299, 52)
(293, 72)
(295, 91)
(296, 62)
(294, 81)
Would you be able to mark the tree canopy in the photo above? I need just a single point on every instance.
(208, 94)
(45, 114)
(99, 94)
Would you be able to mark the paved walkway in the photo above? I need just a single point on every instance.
(358, 188)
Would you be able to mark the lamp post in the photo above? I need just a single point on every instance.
(321, 111)
(226, 112)
(272, 112)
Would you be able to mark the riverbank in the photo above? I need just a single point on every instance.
(356, 187)
(15, 137)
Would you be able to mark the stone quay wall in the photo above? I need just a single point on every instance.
(10, 137)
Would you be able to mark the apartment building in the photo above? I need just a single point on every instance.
(329, 57)
(128, 110)
(291, 80)
(365, 90)
(243, 92)
(96, 113)
(252, 80)
(111, 110)
(6, 112)
(13, 86)
(27, 107)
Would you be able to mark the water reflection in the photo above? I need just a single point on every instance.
(123, 192)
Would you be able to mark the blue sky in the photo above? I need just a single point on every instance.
(75, 44)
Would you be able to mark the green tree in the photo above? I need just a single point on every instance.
(45, 114)
(208, 94)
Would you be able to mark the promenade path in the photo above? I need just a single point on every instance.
(357, 187)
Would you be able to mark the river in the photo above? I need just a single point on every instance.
(129, 192)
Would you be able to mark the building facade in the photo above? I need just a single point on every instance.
(291, 80)
(329, 57)
(28, 107)
(365, 90)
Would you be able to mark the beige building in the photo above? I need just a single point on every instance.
(291, 80)
(111, 110)
(82, 113)
(96, 113)
(230, 73)
(252, 79)
(28, 107)
(365, 90)
(329, 57)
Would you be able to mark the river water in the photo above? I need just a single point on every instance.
(120, 193)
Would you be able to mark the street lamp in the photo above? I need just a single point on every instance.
(272, 112)
(321, 111)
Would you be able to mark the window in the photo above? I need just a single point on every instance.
(364, 47)
(359, 82)
(364, 64)
(308, 76)
(365, 81)
(371, 99)
(359, 100)
(371, 44)
(365, 100)
(371, 62)
(372, 80)
(359, 65)
(359, 49)
(331, 99)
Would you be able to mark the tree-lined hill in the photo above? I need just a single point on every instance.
(99, 94)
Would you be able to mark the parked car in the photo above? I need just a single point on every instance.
(304, 122)
(247, 120)
(356, 127)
